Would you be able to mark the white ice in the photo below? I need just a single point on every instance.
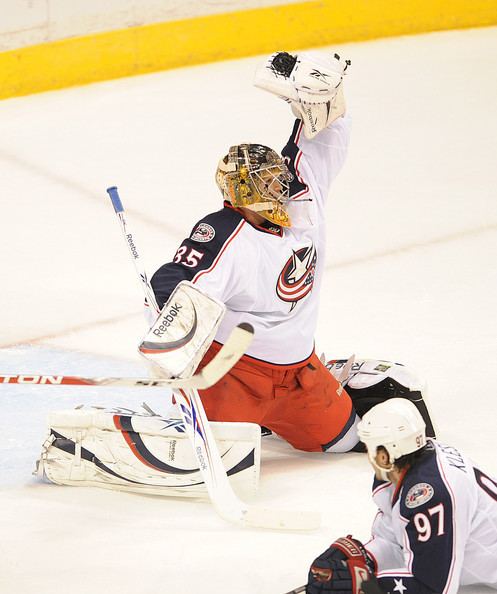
(411, 276)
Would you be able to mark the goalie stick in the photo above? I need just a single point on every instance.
(235, 346)
(222, 496)
(133, 250)
(228, 355)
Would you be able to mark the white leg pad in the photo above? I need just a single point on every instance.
(368, 372)
(125, 450)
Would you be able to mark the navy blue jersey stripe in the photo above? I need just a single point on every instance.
(220, 253)
(292, 154)
(196, 253)
(426, 505)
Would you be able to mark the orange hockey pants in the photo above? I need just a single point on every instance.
(299, 403)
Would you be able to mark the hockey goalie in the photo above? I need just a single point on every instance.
(259, 259)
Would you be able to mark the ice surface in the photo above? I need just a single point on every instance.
(411, 277)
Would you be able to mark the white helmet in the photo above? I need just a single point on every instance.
(395, 424)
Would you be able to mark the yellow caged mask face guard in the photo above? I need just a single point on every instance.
(254, 176)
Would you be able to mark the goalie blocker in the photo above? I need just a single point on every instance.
(182, 332)
(142, 452)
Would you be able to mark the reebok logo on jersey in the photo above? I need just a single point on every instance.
(297, 277)
(419, 494)
(204, 232)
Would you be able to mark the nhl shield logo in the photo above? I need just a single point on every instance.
(297, 277)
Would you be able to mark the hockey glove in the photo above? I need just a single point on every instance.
(372, 586)
(311, 82)
(341, 569)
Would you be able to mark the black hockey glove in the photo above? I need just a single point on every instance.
(372, 586)
(341, 569)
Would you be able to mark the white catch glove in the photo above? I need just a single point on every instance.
(311, 82)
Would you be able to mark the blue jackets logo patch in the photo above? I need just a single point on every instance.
(297, 277)
(204, 232)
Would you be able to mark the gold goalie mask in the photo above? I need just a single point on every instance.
(254, 176)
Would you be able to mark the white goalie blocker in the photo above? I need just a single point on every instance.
(182, 332)
(143, 453)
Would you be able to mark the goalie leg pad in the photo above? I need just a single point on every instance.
(125, 450)
(371, 381)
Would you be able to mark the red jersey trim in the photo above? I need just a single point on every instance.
(221, 252)
(398, 486)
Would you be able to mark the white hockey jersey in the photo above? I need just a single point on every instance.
(437, 529)
(266, 275)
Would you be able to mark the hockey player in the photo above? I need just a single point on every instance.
(436, 528)
(262, 256)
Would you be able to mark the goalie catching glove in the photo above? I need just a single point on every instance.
(341, 569)
(311, 82)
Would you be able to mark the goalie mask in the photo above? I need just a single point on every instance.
(254, 176)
